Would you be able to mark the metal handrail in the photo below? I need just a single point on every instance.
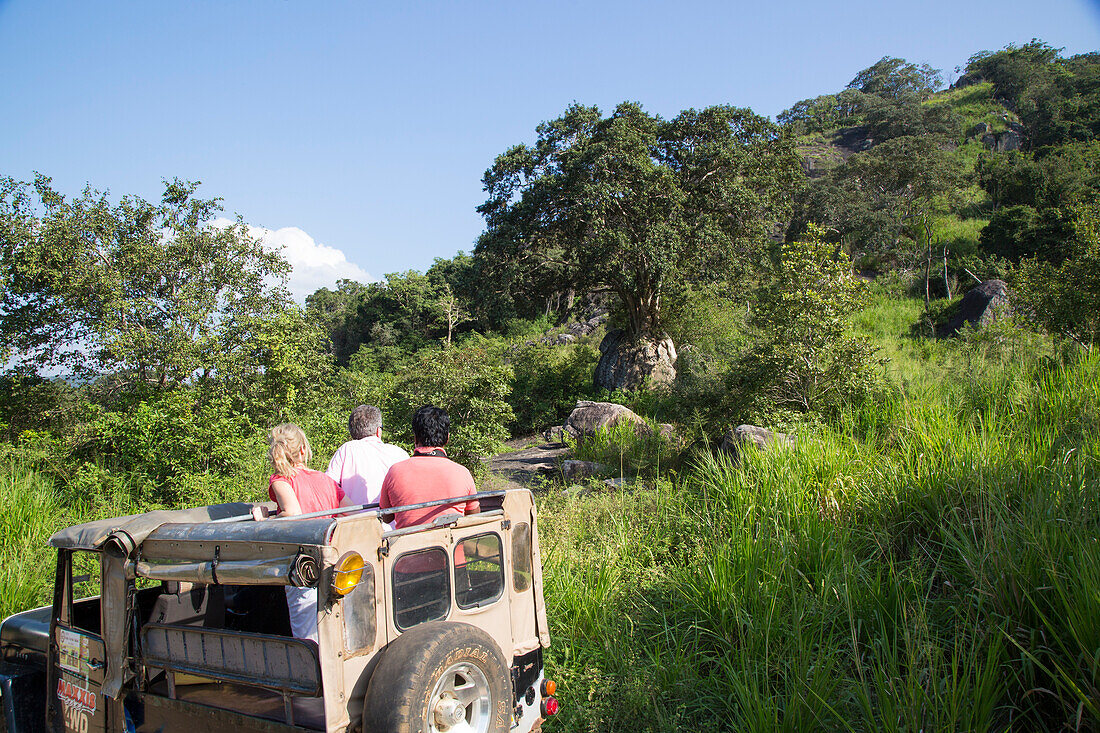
(372, 509)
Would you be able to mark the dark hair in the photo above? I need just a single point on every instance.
(364, 421)
(431, 427)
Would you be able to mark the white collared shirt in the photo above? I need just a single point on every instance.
(360, 465)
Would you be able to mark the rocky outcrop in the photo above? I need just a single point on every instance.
(981, 306)
(967, 80)
(627, 364)
(575, 470)
(588, 417)
(979, 129)
(1002, 141)
(734, 442)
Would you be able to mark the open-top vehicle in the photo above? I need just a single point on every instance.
(436, 627)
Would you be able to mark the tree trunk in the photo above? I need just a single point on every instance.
(927, 262)
(946, 282)
(927, 277)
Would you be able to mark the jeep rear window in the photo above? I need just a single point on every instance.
(521, 557)
(421, 587)
(479, 570)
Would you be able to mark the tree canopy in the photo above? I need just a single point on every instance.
(630, 201)
(158, 295)
(894, 78)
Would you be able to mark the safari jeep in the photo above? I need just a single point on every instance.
(177, 621)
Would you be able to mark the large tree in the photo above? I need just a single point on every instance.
(895, 78)
(631, 201)
(154, 295)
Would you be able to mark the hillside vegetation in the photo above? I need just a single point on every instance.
(923, 555)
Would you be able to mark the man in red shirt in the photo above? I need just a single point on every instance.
(428, 475)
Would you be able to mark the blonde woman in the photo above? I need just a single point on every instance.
(298, 489)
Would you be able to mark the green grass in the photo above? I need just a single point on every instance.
(926, 562)
(30, 511)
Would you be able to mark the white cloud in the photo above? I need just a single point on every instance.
(312, 265)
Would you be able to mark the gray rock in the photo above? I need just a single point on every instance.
(981, 306)
(573, 470)
(742, 435)
(989, 140)
(616, 483)
(588, 417)
(625, 364)
(566, 338)
(979, 129)
(967, 80)
(1009, 140)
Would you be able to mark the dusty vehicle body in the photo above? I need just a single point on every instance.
(438, 627)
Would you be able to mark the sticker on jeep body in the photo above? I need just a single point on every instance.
(73, 653)
(76, 697)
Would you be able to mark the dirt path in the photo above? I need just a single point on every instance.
(527, 459)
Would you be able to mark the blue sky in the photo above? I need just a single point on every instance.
(357, 132)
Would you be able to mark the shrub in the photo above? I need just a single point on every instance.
(472, 385)
(804, 357)
(548, 381)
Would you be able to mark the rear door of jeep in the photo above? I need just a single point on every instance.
(77, 660)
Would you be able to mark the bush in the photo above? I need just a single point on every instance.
(472, 385)
(157, 442)
(803, 357)
(548, 381)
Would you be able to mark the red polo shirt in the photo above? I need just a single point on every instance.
(427, 476)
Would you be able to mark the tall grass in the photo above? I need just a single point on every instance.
(30, 511)
(926, 562)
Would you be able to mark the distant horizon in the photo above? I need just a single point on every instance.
(357, 136)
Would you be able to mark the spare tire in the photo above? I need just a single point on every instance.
(439, 677)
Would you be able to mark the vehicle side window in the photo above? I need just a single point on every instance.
(521, 557)
(85, 589)
(479, 570)
(421, 587)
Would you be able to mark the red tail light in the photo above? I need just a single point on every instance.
(550, 707)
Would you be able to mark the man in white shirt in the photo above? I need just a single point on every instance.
(359, 465)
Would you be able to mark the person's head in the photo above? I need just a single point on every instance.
(365, 421)
(431, 427)
(288, 447)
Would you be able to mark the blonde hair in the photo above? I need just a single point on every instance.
(286, 443)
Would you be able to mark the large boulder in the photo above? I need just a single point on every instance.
(588, 417)
(735, 440)
(629, 364)
(981, 306)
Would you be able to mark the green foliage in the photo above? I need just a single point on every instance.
(631, 202)
(156, 444)
(1017, 232)
(472, 385)
(148, 291)
(895, 78)
(890, 118)
(1064, 298)
(923, 562)
(885, 201)
(548, 381)
(1057, 99)
(630, 450)
(826, 112)
(803, 357)
(30, 511)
